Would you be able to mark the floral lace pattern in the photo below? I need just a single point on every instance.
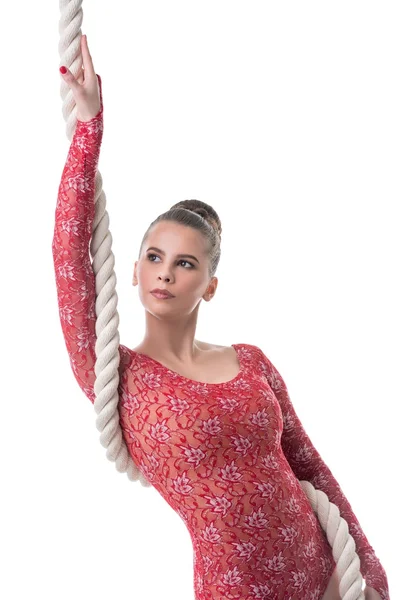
(227, 457)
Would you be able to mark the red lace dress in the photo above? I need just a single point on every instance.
(227, 457)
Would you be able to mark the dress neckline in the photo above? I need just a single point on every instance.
(187, 379)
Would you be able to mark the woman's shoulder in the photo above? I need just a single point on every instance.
(249, 353)
(209, 346)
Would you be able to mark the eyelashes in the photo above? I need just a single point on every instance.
(181, 260)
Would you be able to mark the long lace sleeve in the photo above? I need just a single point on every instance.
(308, 465)
(72, 231)
(75, 281)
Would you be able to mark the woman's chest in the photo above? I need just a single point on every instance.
(167, 423)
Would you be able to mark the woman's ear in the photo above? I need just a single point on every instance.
(211, 289)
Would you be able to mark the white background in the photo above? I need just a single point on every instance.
(284, 117)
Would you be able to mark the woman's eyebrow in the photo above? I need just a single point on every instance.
(178, 255)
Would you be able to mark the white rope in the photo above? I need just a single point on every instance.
(340, 540)
(107, 343)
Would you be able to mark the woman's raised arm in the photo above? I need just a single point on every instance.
(72, 231)
(74, 216)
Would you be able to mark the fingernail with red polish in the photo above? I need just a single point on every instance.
(63, 70)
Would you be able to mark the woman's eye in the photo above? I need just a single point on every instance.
(149, 256)
(186, 261)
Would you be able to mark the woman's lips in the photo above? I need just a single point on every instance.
(162, 296)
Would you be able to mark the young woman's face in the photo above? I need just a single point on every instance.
(160, 266)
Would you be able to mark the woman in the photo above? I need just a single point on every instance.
(211, 427)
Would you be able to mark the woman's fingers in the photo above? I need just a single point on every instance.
(87, 71)
(87, 59)
(70, 79)
(86, 86)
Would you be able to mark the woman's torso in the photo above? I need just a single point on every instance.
(213, 452)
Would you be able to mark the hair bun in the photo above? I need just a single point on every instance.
(203, 210)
